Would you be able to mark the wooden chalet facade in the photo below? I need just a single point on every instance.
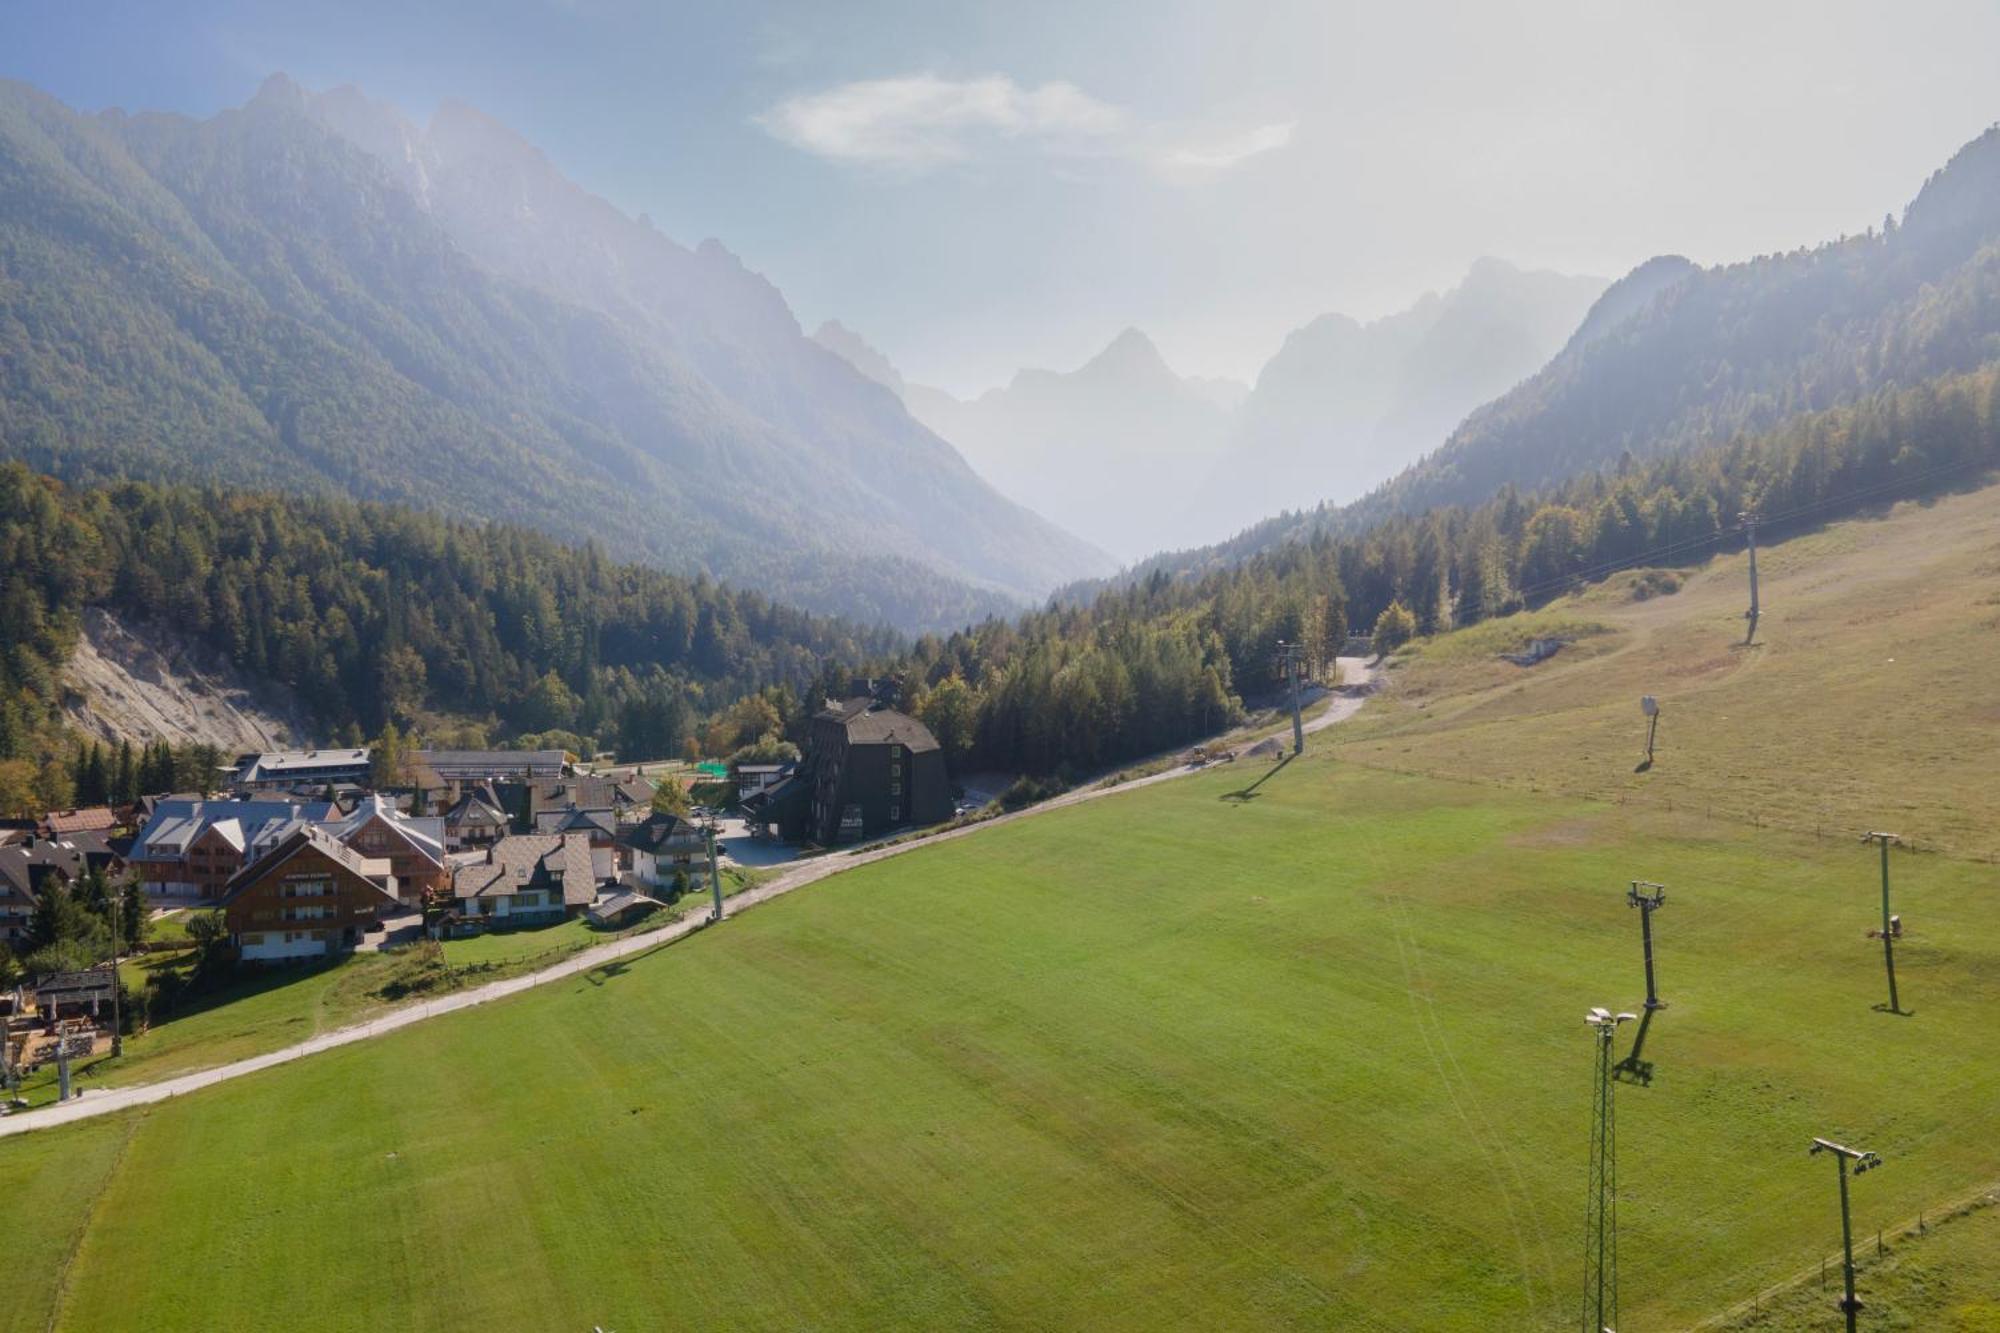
(310, 896)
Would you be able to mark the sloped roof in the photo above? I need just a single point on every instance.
(584, 821)
(658, 831)
(474, 809)
(317, 838)
(18, 861)
(531, 861)
(424, 835)
(177, 821)
(622, 901)
(882, 726)
(79, 821)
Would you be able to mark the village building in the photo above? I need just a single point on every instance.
(526, 879)
(414, 847)
(601, 826)
(619, 910)
(90, 819)
(301, 770)
(491, 765)
(310, 896)
(868, 769)
(661, 845)
(475, 820)
(753, 779)
(193, 848)
(27, 867)
(62, 995)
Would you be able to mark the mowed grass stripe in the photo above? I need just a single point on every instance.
(1311, 1059)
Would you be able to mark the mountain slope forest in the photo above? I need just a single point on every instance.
(1675, 356)
(377, 614)
(257, 301)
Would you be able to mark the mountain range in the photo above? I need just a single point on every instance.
(1676, 356)
(314, 293)
(1138, 459)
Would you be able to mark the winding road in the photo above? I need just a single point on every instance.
(1345, 703)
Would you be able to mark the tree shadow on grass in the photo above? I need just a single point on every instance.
(1249, 793)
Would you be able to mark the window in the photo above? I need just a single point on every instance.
(895, 788)
(527, 900)
(895, 813)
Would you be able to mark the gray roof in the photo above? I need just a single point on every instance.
(622, 901)
(176, 823)
(582, 821)
(490, 763)
(274, 764)
(659, 831)
(531, 861)
(20, 862)
(868, 725)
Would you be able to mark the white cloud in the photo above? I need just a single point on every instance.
(921, 121)
(1220, 155)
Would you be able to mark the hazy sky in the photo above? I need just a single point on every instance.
(980, 187)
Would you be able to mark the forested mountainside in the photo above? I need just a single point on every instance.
(376, 614)
(1676, 356)
(255, 300)
(1150, 662)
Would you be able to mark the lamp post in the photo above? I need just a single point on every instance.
(1863, 1161)
(1600, 1240)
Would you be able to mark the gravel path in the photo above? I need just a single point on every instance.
(103, 1101)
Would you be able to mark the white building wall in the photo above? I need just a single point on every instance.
(272, 945)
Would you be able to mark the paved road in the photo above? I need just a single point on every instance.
(103, 1101)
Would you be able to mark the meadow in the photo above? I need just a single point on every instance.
(1305, 1055)
(1293, 1045)
(1870, 700)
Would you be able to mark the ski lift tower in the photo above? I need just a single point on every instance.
(1749, 520)
(1600, 1239)
(1863, 1161)
(1649, 898)
(1892, 926)
(1290, 657)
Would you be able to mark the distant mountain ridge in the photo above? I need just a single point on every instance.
(311, 293)
(1110, 450)
(1132, 455)
(1676, 356)
(1344, 405)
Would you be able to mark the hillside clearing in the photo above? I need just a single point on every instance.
(1871, 699)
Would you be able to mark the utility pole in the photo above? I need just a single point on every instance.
(1863, 1161)
(1649, 898)
(117, 1018)
(1890, 924)
(1289, 655)
(1600, 1240)
(1749, 520)
(708, 827)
